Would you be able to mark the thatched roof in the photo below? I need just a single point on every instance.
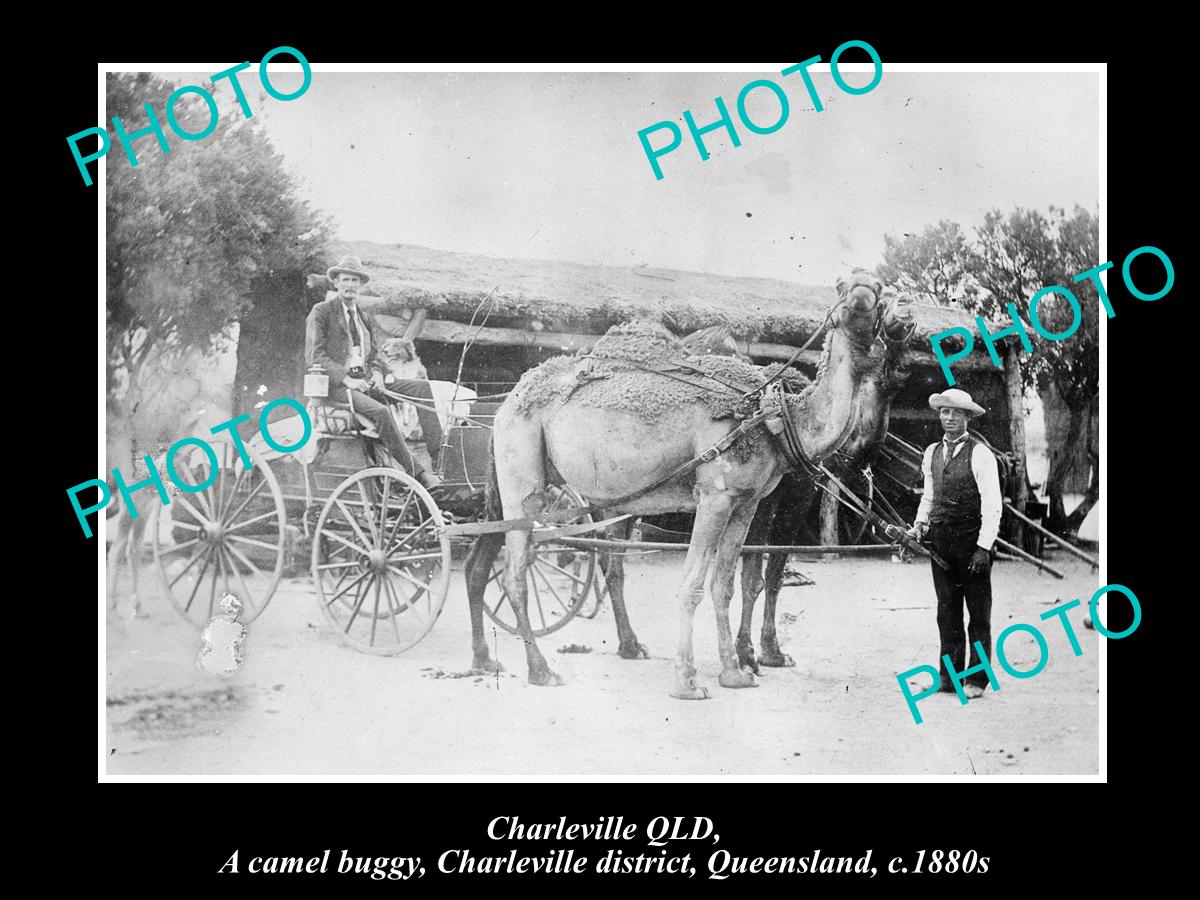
(452, 284)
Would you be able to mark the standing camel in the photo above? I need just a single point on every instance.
(603, 451)
(781, 514)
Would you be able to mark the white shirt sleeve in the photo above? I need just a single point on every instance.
(991, 505)
(927, 495)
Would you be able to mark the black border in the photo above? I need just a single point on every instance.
(180, 835)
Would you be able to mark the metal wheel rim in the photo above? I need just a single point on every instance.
(228, 554)
(364, 606)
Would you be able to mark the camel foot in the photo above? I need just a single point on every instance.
(685, 684)
(545, 677)
(694, 692)
(737, 678)
(777, 659)
(746, 658)
(485, 665)
(633, 650)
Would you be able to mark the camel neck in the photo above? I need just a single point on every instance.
(826, 416)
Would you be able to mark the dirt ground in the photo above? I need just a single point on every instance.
(304, 704)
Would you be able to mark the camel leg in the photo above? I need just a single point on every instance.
(477, 568)
(771, 654)
(752, 581)
(613, 567)
(516, 568)
(712, 515)
(793, 509)
(724, 570)
(521, 483)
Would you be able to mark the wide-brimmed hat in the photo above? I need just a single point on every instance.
(956, 399)
(351, 265)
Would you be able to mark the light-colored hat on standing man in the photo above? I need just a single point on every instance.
(956, 399)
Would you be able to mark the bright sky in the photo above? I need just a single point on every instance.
(549, 166)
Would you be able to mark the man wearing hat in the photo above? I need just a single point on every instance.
(960, 510)
(344, 340)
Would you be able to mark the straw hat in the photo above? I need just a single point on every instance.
(351, 265)
(956, 399)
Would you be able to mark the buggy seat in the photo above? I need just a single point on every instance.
(332, 418)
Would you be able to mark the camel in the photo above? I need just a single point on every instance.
(545, 435)
(780, 515)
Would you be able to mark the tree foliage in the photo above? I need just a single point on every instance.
(1018, 255)
(189, 231)
(930, 265)
(1010, 258)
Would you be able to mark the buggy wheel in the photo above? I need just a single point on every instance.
(226, 533)
(558, 580)
(381, 561)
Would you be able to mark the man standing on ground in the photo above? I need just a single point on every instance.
(960, 509)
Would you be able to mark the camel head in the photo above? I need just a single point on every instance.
(859, 307)
(899, 318)
(884, 377)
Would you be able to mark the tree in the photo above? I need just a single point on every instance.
(189, 233)
(1013, 258)
(931, 265)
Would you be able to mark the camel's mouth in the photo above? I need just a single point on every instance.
(861, 309)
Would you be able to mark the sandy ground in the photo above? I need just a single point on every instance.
(303, 704)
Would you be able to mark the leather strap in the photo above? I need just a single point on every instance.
(683, 368)
(707, 456)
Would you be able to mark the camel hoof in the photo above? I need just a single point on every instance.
(633, 651)
(737, 678)
(746, 659)
(690, 692)
(777, 660)
(545, 678)
(486, 666)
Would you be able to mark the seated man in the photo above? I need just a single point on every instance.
(345, 340)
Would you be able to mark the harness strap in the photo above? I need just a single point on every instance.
(892, 530)
(788, 440)
(668, 371)
(707, 456)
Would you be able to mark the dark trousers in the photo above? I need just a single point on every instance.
(381, 417)
(956, 545)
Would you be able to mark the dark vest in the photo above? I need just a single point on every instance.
(955, 493)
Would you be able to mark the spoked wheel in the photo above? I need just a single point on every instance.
(227, 534)
(599, 594)
(557, 583)
(380, 561)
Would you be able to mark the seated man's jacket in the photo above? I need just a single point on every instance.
(327, 341)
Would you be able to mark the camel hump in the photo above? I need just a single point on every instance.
(641, 340)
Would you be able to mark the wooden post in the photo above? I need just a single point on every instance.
(1016, 426)
(829, 516)
(1050, 535)
(415, 324)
